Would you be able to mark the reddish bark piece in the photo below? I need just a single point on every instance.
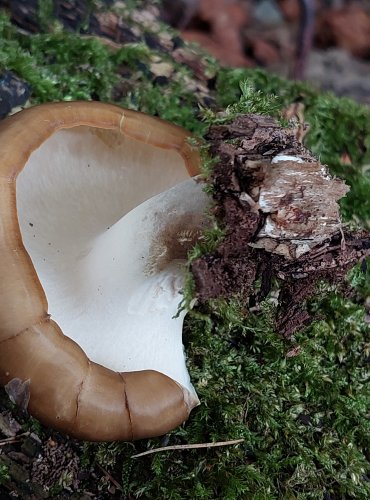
(290, 9)
(265, 52)
(225, 19)
(348, 28)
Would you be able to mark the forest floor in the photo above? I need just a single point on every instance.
(294, 447)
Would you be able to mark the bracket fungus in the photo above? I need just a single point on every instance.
(97, 212)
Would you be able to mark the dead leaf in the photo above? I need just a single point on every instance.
(19, 392)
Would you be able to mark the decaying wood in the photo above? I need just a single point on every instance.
(279, 208)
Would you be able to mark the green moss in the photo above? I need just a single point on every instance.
(172, 103)
(359, 277)
(229, 92)
(4, 473)
(132, 55)
(251, 100)
(58, 66)
(63, 66)
(302, 413)
(45, 14)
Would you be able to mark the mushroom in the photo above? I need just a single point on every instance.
(97, 212)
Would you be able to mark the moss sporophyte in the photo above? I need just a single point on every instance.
(300, 402)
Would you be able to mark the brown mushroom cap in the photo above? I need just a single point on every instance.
(67, 390)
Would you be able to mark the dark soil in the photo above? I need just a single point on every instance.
(40, 462)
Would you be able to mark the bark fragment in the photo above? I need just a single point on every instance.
(278, 206)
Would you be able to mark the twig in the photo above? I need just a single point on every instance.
(14, 439)
(305, 37)
(11, 441)
(111, 478)
(188, 447)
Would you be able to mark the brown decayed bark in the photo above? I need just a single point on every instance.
(281, 221)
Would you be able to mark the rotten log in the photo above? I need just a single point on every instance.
(278, 207)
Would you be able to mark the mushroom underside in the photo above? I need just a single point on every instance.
(107, 222)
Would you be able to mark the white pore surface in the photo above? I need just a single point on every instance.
(95, 254)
